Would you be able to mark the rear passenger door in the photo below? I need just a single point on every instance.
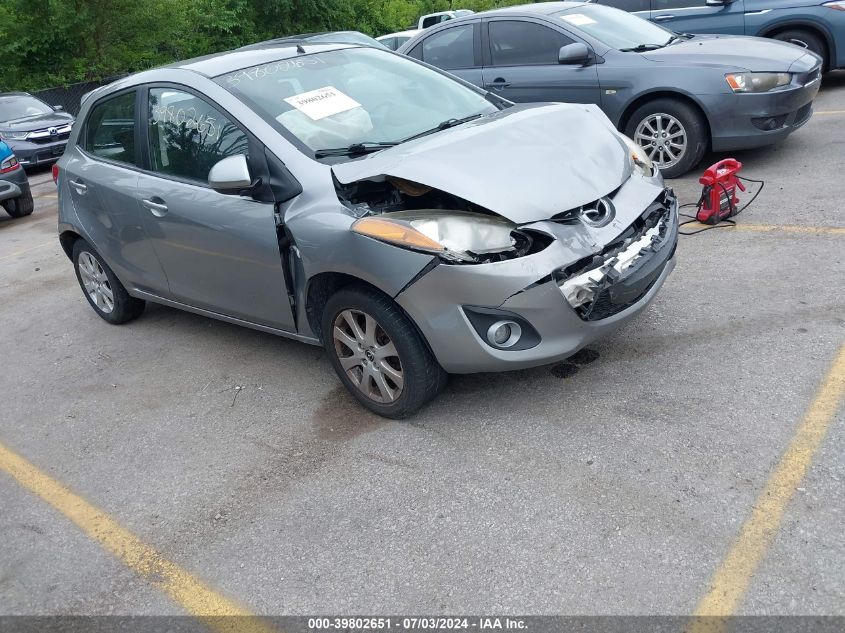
(521, 63)
(456, 49)
(220, 252)
(695, 16)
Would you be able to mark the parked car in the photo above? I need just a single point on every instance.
(395, 40)
(36, 132)
(347, 196)
(15, 195)
(813, 24)
(327, 37)
(431, 19)
(676, 95)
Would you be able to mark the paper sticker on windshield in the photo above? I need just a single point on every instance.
(578, 19)
(323, 102)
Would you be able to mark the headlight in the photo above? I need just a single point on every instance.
(13, 136)
(757, 82)
(457, 236)
(639, 159)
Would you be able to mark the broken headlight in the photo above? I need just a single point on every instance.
(453, 235)
(639, 159)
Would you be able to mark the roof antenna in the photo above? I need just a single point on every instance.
(299, 48)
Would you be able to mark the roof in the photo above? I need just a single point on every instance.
(542, 8)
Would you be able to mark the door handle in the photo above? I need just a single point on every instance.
(155, 205)
(663, 17)
(498, 83)
(81, 187)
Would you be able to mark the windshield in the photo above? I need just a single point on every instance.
(21, 106)
(357, 95)
(617, 29)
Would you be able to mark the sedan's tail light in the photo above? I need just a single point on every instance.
(56, 173)
(10, 164)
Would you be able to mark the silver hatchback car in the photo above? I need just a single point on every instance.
(349, 197)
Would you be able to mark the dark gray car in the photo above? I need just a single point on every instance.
(676, 95)
(35, 131)
(352, 197)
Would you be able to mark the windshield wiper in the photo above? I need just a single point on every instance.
(642, 48)
(366, 147)
(444, 125)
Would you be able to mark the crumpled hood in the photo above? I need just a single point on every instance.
(526, 163)
(56, 119)
(730, 51)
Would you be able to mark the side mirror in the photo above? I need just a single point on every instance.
(576, 53)
(230, 175)
(58, 108)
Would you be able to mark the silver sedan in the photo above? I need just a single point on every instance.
(349, 197)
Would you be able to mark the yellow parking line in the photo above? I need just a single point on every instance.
(47, 195)
(26, 250)
(829, 112)
(774, 228)
(733, 577)
(191, 593)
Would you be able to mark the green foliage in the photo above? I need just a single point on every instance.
(45, 43)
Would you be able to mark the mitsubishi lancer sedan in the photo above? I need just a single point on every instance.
(350, 197)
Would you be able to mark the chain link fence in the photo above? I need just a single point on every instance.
(70, 97)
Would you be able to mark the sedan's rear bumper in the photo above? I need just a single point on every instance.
(13, 184)
(745, 121)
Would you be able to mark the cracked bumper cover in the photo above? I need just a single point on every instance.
(532, 287)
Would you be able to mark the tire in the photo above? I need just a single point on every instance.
(805, 39)
(675, 116)
(98, 281)
(21, 206)
(370, 371)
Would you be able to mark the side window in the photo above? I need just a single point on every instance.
(110, 129)
(663, 5)
(627, 5)
(188, 136)
(518, 43)
(451, 48)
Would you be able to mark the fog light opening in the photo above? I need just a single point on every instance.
(504, 334)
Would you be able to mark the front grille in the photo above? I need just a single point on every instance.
(607, 283)
(43, 140)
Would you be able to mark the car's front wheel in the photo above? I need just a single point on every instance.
(378, 353)
(672, 133)
(21, 206)
(102, 288)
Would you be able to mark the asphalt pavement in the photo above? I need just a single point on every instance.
(618, 482)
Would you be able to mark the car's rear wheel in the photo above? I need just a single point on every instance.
(672, 133)
(805, 39)
(102, 288)
(378, 353)
(21, 206)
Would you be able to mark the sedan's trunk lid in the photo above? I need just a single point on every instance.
(526, 163)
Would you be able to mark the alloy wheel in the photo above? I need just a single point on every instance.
(663, 138)
(368, 356)
(95, 282)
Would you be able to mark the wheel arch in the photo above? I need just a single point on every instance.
(642, 99)
(67, 239)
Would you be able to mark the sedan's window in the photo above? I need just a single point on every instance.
(110, 129)
(519, 43)
(355, 95)
(630, 5)
(615, 28)
(188, 136)
(450, 49)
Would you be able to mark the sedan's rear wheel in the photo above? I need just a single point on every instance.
(21, 206)
(101, 286)
(378, 353)
(672, 133)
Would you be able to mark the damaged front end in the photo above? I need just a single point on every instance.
(425, 219)
(604, 284)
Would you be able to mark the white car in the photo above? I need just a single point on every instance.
(431, 19)
(395, 40)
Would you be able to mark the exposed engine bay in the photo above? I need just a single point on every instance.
(458, 231)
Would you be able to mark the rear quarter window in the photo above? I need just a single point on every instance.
(110, 129)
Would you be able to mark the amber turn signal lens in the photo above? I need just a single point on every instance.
(396, 233)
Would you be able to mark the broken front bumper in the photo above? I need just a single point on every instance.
(580, 288)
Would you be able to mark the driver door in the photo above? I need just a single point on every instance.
(219, 252)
